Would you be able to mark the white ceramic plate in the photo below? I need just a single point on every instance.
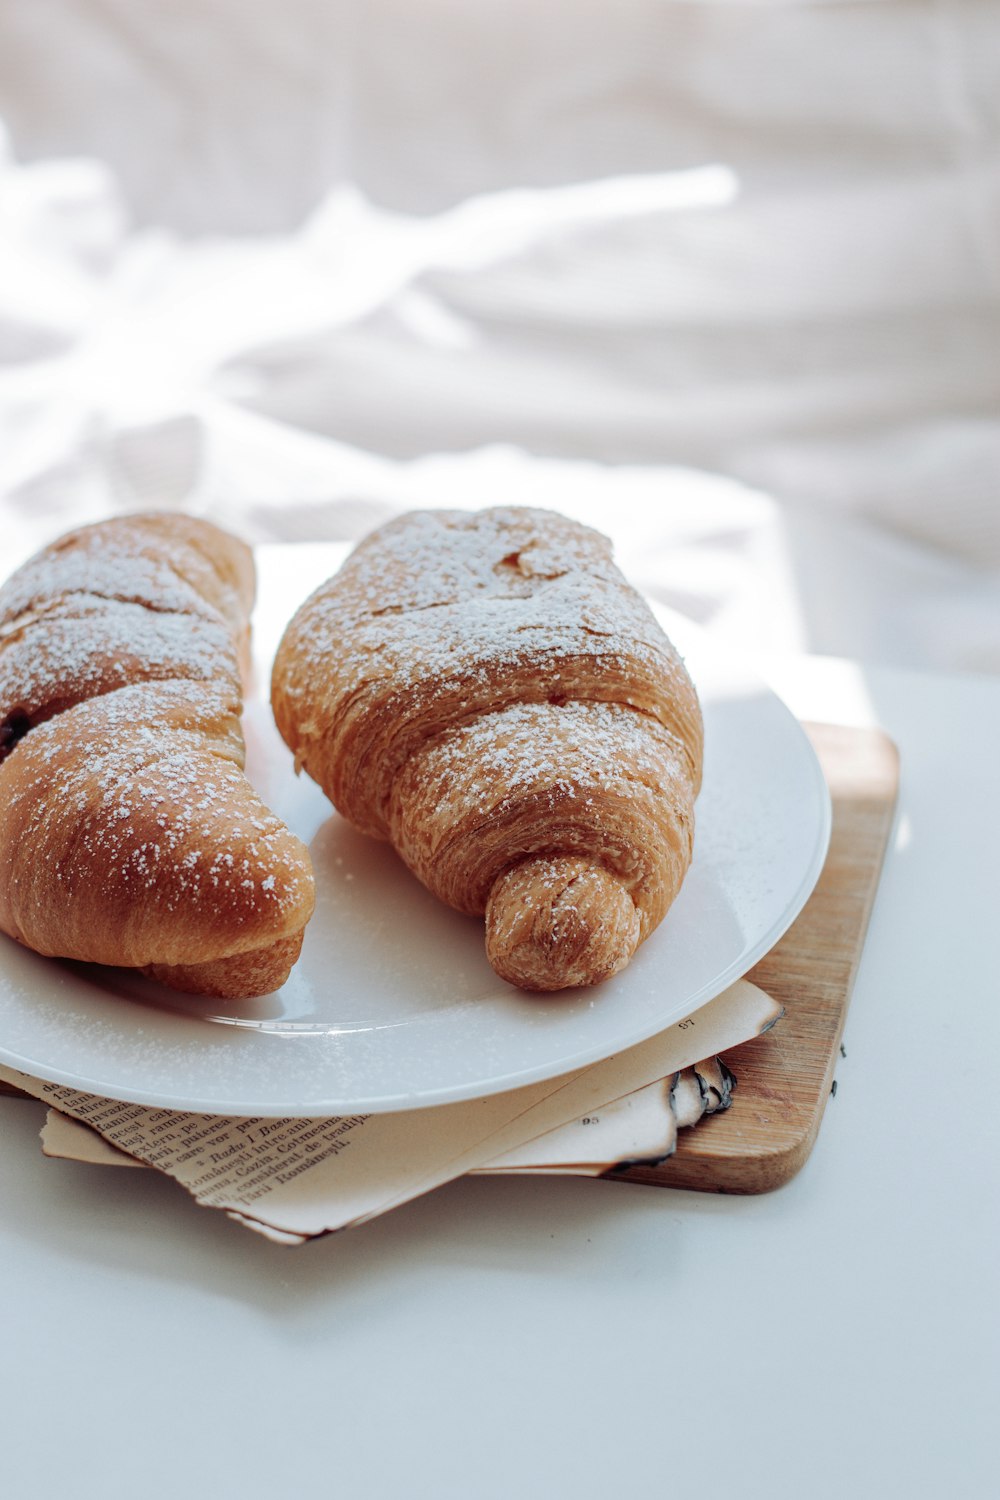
(392, 1004)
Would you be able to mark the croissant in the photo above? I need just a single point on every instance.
(129, 834)
(486, 691)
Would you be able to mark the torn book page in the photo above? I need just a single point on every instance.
(640, 1129)
(67, 1139)
(742, 1011)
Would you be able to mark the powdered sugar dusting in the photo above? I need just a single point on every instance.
(120, 690)
(105, 562)
(157, 802)
(85, 645)
(444, 616)
(483, 590)
(574, 751)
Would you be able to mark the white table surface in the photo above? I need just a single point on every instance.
(574, 1338)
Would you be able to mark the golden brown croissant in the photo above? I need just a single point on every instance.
(129, 834)
(485, 690)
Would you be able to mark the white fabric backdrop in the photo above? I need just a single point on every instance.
(723, 279)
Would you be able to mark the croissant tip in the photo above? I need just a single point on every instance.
(561, 923)
(241, 976)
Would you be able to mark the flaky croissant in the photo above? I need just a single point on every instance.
(129, 834)
(486, 691)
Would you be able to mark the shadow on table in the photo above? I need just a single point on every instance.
(142, 1223)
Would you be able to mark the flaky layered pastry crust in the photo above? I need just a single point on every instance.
(129, 834)
(486, 690)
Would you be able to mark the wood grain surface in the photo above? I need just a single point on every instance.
(784, 1078)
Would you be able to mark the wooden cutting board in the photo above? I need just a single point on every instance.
(784, 1078)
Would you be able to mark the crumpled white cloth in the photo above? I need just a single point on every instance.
(721, 279)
